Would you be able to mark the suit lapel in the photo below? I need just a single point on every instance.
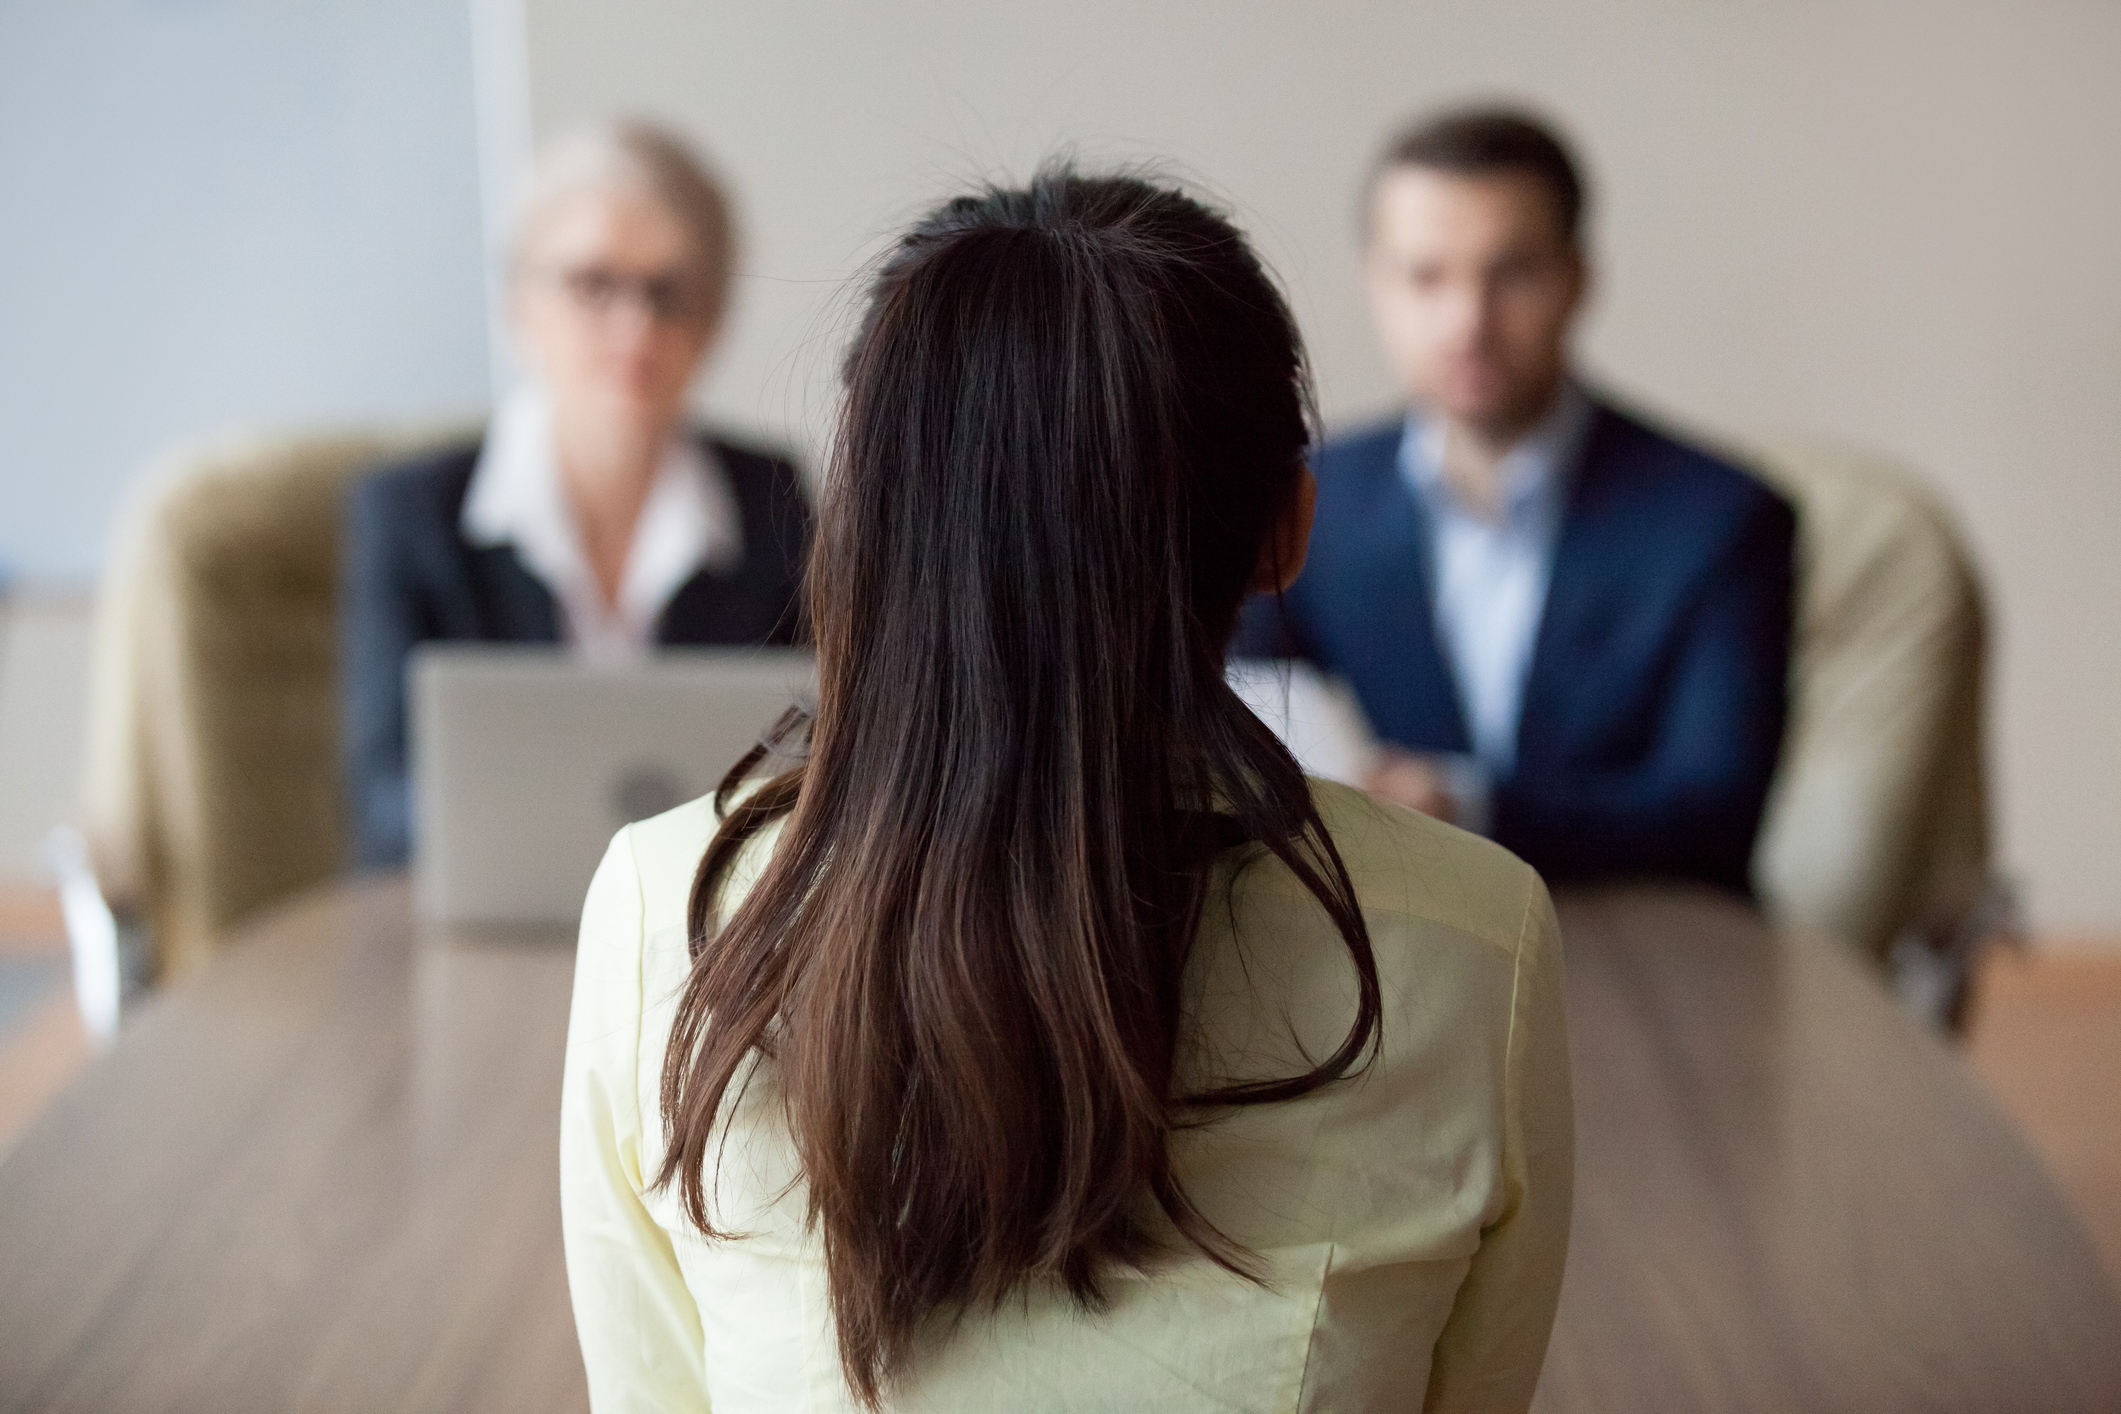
(1407, 686)
(513, 606)
(1578, 603)
(748, 604)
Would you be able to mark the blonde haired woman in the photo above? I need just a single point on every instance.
(589, 514)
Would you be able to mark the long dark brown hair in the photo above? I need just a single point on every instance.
(1074, 412)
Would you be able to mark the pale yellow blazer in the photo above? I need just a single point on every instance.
(1412, 1221)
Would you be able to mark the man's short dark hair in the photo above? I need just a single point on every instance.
(1488, 141)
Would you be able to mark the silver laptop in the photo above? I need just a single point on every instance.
(525, 761)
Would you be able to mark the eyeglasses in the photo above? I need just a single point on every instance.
(668, 298)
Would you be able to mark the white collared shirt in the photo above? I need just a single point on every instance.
(690, 521)
(1488, 579)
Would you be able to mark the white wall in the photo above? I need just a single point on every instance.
(1893, 223)
(218, 212)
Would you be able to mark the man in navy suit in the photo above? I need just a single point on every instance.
(1568, 629)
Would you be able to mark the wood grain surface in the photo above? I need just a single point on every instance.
(1789, 1196)
(322, 1176)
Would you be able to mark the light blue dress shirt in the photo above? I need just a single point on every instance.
(1488, 579)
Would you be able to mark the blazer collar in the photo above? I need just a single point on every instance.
(690, 521)
(1539, 468)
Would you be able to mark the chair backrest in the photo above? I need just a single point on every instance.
(1878, 823)
(213, 783)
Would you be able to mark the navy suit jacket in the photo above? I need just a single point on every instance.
(1654, 704)
(409, 577)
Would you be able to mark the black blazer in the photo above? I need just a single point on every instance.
(1654, 705)
(410, 577)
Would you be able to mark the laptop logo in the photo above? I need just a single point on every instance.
(645, 790)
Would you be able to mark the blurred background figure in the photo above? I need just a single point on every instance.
(589, 513)
(1566, 628)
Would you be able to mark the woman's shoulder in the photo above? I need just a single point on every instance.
(754, 469)
(1403, 864)
(402, 523)
(665, 852)
(741, 452)
(432, 482)
(1419, 868)
(632, 952)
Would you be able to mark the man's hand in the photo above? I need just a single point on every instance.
(1412, 780)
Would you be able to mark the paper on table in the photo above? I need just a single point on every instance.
(1315, 717)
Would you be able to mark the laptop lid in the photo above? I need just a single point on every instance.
(525, 762)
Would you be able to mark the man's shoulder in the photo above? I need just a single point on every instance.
(1358, 475)
(1360, 450)
(1676, 473)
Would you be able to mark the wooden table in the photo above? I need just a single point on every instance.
(1791, 1197)
(322, 1176)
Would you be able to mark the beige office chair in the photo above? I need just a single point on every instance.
(213, 782)
(1877, 831)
